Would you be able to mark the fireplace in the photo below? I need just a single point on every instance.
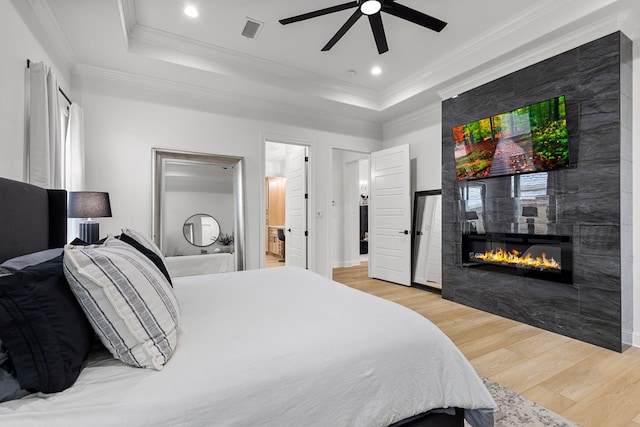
(547, 257)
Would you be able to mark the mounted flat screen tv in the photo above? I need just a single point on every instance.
(525, 140)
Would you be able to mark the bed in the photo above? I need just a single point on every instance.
(273, 347)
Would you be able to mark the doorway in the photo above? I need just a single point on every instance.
(349, 208)
(389, 216)
(286, 205)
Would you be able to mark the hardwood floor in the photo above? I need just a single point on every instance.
(272, 261)
(584, 383)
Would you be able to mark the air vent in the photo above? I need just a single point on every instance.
(251, 28)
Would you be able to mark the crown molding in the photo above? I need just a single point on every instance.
(437, 71)
(556, 46)
(258, 107)
(414, 120)
(230, 62)
(45, 27)
(630, 24)
(507, 39)
(127, 10)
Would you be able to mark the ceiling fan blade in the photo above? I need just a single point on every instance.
(320, 12)
(378, 32)
(343, 30)
(412, 15)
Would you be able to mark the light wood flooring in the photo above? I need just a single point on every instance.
(272, 261)
(584, 383)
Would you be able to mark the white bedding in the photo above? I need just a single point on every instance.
(274, 347)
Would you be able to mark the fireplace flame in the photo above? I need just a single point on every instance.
(501, 256)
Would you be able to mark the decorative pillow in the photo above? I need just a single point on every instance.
(143, 240)
(128, 301)
(18, 263)
(155, 259)
(46, 334)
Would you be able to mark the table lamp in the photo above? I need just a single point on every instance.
(89, 205)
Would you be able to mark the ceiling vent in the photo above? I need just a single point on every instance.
(252, 28)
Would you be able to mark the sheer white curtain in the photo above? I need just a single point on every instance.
(44, 139)
(74, 160)
(74, 150)
(55, 138)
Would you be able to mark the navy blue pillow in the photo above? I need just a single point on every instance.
(46, 333)
(148, 253)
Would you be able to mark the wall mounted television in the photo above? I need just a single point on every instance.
(528, 139)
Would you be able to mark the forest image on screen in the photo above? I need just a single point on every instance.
(528, 139)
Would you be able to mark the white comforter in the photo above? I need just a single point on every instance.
(274, 347)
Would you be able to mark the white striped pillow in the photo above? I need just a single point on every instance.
(144, 241)
(128, 301)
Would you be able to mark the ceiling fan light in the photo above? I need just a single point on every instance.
(370, 7)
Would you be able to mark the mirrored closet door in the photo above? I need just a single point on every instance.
(427, 240)
(198, 209)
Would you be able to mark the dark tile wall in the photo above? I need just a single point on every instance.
(584, 200)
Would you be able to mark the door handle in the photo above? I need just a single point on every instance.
(404, 232)
(289, 230)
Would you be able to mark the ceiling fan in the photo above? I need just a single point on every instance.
(373, 9)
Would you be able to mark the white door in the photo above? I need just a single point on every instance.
(390, 216)
(296, 206)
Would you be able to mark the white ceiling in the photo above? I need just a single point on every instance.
(151, 43)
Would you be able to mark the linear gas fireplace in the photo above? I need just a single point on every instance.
(547, 257)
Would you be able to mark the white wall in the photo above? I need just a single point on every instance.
(17, 44)
(120, 133)
(424, 136)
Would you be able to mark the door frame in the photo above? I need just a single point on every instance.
(329, 210)
(311, 239)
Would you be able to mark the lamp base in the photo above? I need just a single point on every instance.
(89, 231)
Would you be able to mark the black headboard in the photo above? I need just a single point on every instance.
(31, 218)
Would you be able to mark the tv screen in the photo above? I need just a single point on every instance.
(528, 139)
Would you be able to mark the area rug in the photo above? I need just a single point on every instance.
(517, 411)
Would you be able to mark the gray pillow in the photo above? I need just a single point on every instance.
(3, 354)
(28, 260)
(10, 387)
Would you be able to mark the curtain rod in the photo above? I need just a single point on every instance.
(59, 88)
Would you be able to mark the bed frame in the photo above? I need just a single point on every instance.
(34, 219)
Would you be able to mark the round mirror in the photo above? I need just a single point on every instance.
(201, 230)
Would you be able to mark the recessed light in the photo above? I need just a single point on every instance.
(191, 12)
(376, 71)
